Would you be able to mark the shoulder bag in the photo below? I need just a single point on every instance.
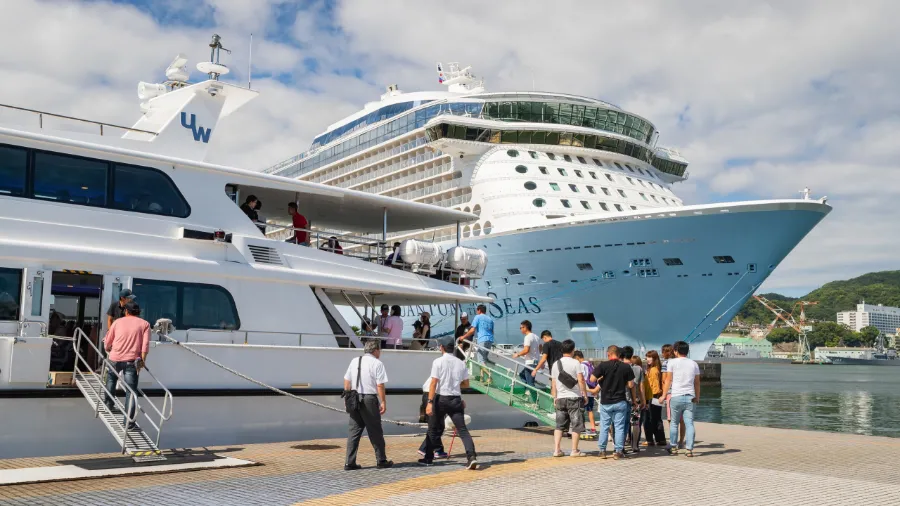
(566, 378)
(352, 398)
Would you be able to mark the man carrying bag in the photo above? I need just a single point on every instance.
(365, 404)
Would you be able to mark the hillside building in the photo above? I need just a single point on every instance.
(885, 318)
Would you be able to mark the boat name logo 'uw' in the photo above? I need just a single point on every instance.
(200, 133)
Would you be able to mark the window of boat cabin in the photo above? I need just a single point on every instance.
(10, 293)
(13, 169)
(69, 179)
(146, 191)
(188, 305)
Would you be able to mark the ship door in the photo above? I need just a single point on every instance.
(75, 304)
(35, 301)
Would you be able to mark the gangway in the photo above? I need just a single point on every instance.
(499, 380)
(134, 441)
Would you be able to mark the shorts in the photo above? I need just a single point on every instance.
(569, 415)
(590, 405)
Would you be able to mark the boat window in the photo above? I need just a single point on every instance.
(643, 196)
(622, 193)
(477, 210)
(467, 231)
(521, 169)
(673, 261)
(578, 173)
(551, 156)
(147, 190)
(598, 162)
(605, 191)
(487, 227)
(724, 259)
(581, 159)
(618, 207)
(634, 208)
(554, 186)
(608, 176)
(630, 180)
(188, 305)
(584, 204)
(565, 203)
(529, 185)
(539, 202)
(10, 293)
(567, 158)
(70, 179)
(533, 154)
(13, 168)
(562, 172)
(604, 206)
(513, 153)
(593, 175)
(543, 170)
(591, 189)
(573, 188)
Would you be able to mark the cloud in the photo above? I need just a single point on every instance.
(763, 98)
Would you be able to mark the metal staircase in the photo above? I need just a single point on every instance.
(499, 380)
(134, 441)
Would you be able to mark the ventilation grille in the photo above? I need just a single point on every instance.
(265, 255)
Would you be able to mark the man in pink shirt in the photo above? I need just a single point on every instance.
(127, 344)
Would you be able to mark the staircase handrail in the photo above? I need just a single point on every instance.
(109, 368)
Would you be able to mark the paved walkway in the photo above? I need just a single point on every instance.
(733, 465)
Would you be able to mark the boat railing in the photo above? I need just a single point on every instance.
(263, 337)
(137, 400)
(100, 124)
(365, 249)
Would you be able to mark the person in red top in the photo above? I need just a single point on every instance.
(299, 221)
(127, 344)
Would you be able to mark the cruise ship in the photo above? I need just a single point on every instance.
(577, 208)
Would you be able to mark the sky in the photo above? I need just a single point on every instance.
(763, 98)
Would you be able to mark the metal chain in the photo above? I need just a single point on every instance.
(278, 390)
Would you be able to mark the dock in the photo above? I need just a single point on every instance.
(732, 465)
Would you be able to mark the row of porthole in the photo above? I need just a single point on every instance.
(477, 229)
(475, 210)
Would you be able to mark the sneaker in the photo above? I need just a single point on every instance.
(440, 455)
(385, 464)
(352, 467)
(425, 462)
(603, 454)
(618, 455)
(472, 464)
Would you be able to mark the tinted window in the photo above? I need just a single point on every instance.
(188, 305)
(147, 191)
(13, 166)
(10, 293)
(68, 179)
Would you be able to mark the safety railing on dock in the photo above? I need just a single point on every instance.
(121, 420)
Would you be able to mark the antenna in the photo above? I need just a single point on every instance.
(213, 68)
(250, 64)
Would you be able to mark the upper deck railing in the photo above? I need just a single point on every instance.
(100, 124)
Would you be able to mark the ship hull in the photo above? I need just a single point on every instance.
(584, 283)
(864, 361)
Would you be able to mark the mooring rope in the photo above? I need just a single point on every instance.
(276, 389)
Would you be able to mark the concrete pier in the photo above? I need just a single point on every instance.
(732, 465)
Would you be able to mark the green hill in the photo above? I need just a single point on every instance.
(874, 288)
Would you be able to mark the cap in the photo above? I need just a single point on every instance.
(464, 315)
(126, 294)
(384, 307)
(448, 342)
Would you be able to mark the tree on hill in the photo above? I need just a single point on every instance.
(868, 335)
(782, 335)
(832, 334)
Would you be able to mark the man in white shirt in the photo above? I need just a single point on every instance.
(449, 376)
(531, 352)
(570, 395)
(682, 376)
(366, 377)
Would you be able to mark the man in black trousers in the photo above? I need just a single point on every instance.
(365, 379)
(448, 377)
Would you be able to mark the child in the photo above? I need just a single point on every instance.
(593, 388)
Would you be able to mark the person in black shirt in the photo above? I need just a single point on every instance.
(551, 352)
(614, 378)
(117, 309)
(249, 208)
(461, 330)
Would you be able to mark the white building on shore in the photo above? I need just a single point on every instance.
(885, 318)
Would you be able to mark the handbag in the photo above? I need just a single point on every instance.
(352, 398)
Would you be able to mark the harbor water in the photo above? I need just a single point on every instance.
(835, 398)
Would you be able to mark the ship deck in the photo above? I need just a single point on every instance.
(732, 465)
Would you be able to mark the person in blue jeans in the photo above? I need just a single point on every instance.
(614, 378)
(682, 376)
(531, 353)
(483, 332)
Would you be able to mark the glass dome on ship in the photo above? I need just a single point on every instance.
(576, 207)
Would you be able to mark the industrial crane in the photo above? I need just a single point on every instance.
(798, 324)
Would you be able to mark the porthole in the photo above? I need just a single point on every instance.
(539, 202)
(467, 231)
(487, 228)
(533, 279)
(521, 169)
(476, 230)
(530, 185)
(467, 209)
(477, 210)
(513, 153)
